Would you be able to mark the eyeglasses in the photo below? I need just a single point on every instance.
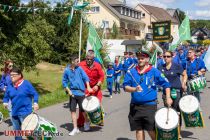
(89, 59)
(13, 75)
(167, 56)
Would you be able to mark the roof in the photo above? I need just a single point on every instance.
(132, 42)
(204, 30)
(171, 11)
(160, 13)
(115, 2)
(107, 4)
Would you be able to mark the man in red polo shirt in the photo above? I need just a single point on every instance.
(96, 76)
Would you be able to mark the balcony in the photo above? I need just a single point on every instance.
(131, 32)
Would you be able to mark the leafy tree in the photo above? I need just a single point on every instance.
(115, 31)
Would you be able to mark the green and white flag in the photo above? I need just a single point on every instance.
(94, 42)
(153, 59)
(206, 59)
(184, 34)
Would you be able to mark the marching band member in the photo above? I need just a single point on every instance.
(194, 67)
(74, 80)
(117, 74)
(141, 82)
(21, 93)
(128, 62)
(96, 75)
(173, 71)
(110, 78)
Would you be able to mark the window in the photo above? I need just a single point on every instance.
(95, 9)
(105, 24)
(129, 12)
(121, 11)
(125, 12)
(132, 13)
(136, 16)
(139, 16)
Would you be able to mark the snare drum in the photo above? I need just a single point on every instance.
(196, 84)
(92, 107)
(167, 128)
(189, 106)
(39, 125)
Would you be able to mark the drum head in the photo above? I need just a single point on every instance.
(30, 122)
(90, 103)
(188, 104)
(161, 118)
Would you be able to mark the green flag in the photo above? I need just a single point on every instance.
(70, 17)
(153, 59)
(94, 42)
(184, 34)
(81, 6)
(184, 30)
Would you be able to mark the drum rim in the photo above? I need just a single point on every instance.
(189, 112)
(93, 109)
(37, 125)
(172, 127)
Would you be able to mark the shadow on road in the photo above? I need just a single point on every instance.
(123, 139)
(67, 126)
(187, 134)
(1, 133)
(8, 122)
(66, 105)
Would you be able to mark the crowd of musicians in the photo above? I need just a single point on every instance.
(141, 79)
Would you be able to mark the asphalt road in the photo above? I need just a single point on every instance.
(116, 120)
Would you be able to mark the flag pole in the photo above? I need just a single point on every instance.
(80, 36)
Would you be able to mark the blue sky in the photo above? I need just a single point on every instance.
(196, 9)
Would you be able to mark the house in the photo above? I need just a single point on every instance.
(200, 34)
(104, 13)
(155, 14)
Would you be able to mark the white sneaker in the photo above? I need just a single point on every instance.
(74, 131)
(110, 96)
(87, 126)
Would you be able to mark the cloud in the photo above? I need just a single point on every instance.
(202, 13)
(155, 3)
(202, 3)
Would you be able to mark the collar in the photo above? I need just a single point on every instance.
(145, 71)
(18, 83)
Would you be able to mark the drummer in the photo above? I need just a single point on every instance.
(173, 71)
(74, 81)
(96, 75)
(141, 82)
(21, 93)
(195, 67)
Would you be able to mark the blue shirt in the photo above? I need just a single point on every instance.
(5, 81)
(110, 75)
(183, 58)
(128, 62)
(160, 62)
(194, 66)
(148, 81)
(117, 68)
(173, 74)
(97, 60)
(177, 60)
(203, 55)
(75, 80)
(21, 98)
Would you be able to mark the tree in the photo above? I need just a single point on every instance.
(32, 44)
(115, 31)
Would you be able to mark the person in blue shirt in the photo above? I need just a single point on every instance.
(74, 81)
(141, 82)
(134, 59)
(160, 60)
(203, 53)
(110, 78)
(195, 67)
(182, 56)
(22, 94)
(176, 58)
(117, 74)
(173, 72)
(128, 62)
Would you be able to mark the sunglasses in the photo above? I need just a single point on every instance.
(89, 59)
(167, 56)
(10, 66)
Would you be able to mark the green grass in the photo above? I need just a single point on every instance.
(47, 84)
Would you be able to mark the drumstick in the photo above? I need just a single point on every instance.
(134, 79)
(167, 115)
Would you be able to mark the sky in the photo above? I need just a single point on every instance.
(195, 9)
